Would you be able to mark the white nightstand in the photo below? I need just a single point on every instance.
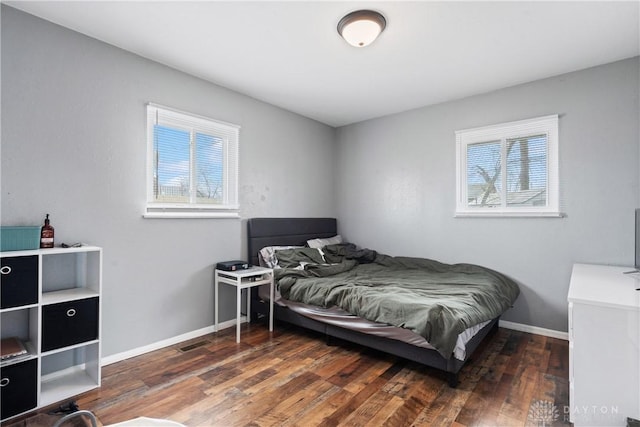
(244, 279)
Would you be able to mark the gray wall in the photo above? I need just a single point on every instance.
(397, 179)
(74, 144)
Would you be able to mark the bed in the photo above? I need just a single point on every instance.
(338, 320)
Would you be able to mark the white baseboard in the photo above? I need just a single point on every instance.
(209, 329)
(165, 343)
(534, 330)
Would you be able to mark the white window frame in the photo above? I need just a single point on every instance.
(227, 132)
(547, 125)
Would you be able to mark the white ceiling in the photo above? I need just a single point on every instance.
(289, 53)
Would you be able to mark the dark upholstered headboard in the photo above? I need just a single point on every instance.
(263, 232)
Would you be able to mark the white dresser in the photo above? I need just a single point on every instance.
(604, 344)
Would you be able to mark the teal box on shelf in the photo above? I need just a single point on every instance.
(19, 238)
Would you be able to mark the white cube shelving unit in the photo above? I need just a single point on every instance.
(59, 323)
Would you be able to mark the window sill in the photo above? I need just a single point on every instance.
(190, 215)
(509, 215)
(187, 211)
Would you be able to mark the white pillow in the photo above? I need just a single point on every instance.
(319, 243)
(268, 254)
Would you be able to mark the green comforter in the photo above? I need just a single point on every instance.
(437, 301)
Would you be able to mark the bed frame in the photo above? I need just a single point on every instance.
(263, 232)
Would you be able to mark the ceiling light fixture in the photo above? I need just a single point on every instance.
(362, 27)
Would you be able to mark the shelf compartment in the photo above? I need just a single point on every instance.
(19, 387)
(69, 323)
(69, 373)
(23, 324)
(31, 355)
(19, 284)
(64, 271)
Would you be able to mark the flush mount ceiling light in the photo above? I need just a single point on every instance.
(362, 27)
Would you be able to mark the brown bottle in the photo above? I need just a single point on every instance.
(46, 234)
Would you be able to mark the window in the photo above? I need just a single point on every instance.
(510, 169)
(192, 165)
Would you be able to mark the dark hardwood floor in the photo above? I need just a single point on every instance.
(292, 378)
